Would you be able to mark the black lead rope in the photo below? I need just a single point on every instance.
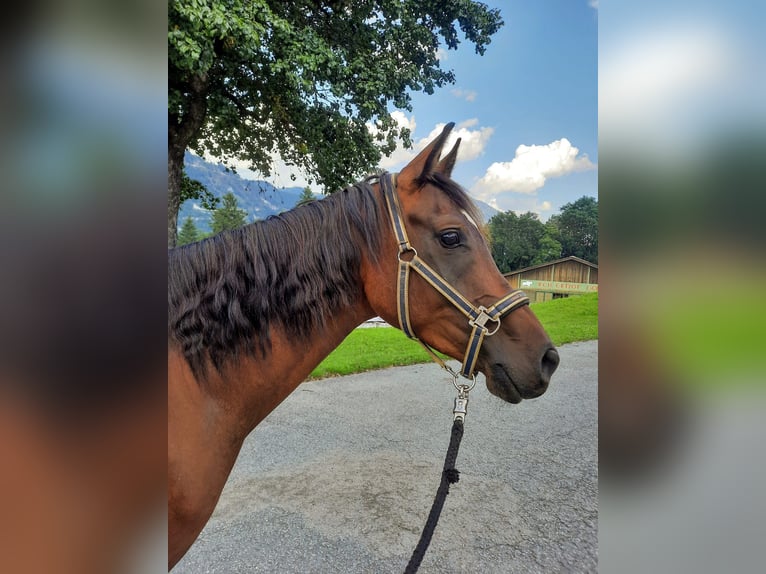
(450, 475)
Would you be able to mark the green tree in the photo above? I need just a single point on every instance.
(304, 78)
(189, 232)
(516, 239)
(306, 196)
(549, 249)
(577, 226)
(504, 249)
(228, 215)
(193, 189)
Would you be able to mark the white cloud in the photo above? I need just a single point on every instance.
(400, 155)
(473, 143)
(530, 168)
(403, 121)
(522, 204)
(468, 123)
(467, 95)
(280, 172)
(281, 175)
(593, 4)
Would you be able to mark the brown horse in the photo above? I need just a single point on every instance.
(253, 311)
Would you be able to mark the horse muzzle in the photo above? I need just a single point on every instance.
(513, 383)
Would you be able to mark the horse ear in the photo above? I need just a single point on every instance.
(448, 162)
(426, 162)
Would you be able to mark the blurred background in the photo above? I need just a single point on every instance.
(82, 287)
(682, 176)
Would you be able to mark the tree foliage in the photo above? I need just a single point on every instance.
(193, 189)
(189, 232)
(520, 241)
(549, 249)
(228, 215)
(577, 226)
(249, 79)
(306, 196)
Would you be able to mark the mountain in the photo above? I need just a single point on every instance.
(486, 209)
(258, 198)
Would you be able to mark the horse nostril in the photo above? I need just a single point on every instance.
(549, 363)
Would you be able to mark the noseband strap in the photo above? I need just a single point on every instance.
(484, 322)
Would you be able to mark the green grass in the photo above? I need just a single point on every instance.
(571, 319)
(369, 349)
(565, 320)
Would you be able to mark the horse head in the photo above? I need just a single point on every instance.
(444, 231)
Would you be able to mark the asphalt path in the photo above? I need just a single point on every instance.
(341, 476)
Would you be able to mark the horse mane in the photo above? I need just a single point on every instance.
(293, 270)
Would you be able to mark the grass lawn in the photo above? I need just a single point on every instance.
(571, 319)
(565, 320)
(369, 349)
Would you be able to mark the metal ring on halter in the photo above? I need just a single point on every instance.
(408, 249)
(497, 327)
(463, 388)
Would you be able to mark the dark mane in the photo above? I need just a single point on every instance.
(293, 270)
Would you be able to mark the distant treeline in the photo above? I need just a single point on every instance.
(519, 241)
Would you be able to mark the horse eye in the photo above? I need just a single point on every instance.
(450, 239)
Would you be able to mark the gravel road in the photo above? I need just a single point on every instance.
(340, 478)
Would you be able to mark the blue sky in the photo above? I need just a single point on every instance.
(526, 110)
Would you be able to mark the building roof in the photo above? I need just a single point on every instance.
(570, 258)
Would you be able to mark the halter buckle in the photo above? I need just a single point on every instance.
(481, 321)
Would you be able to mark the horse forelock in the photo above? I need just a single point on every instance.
(293, 270)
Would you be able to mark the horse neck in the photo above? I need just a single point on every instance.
(262, 382)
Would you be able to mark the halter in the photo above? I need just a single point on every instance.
(478, 317)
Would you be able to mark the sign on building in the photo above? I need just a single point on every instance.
(559, 286)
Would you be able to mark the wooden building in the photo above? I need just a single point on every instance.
(560, 278)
